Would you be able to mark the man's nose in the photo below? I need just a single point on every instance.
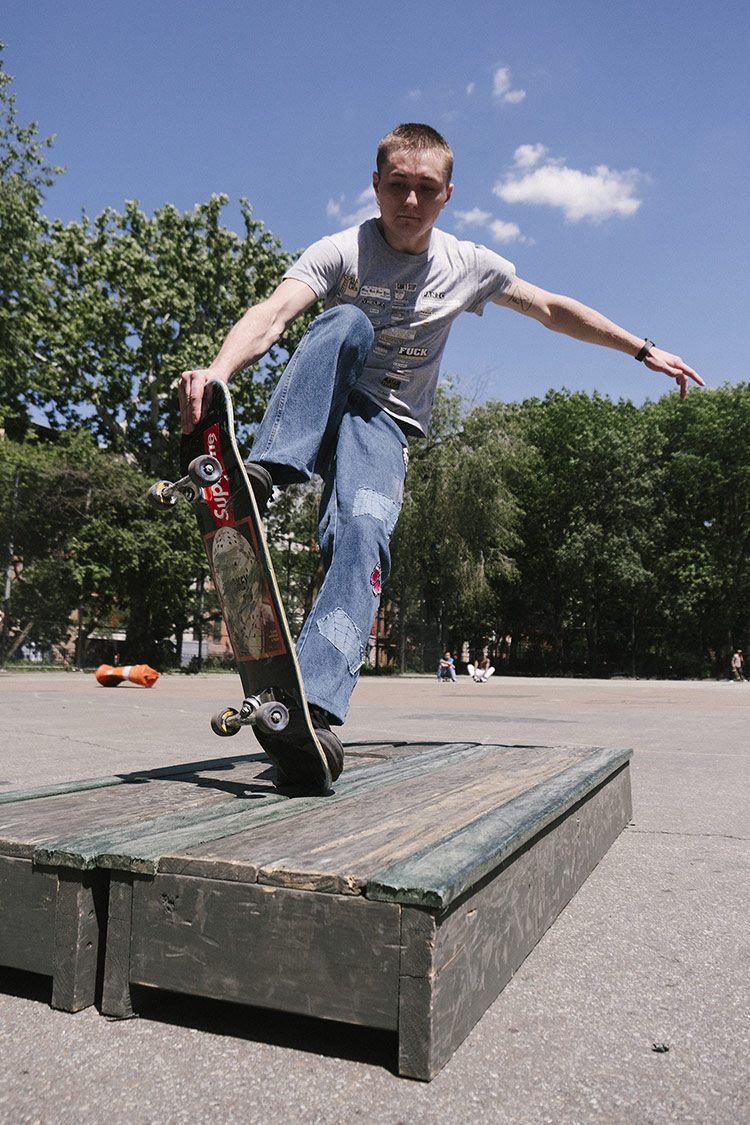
(411, 198)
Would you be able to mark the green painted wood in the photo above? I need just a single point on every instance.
(139, 846)
(27, 824)
(61, 788)
(456, 962)
(342, 848)
(323, 955)
(84, 850)
(80, 919)
(436, 876)
(116, 999)
(27, 916)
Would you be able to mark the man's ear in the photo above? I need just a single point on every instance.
(375, 182)
(450, 193)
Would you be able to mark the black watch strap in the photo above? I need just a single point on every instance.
(647, 346)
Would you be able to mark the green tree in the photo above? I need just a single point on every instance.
(590, 501)
(453, 542)
(24, 176)
(704, 565)
(135, 300)
(79, 538)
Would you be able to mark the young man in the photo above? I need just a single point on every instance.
(446, 668)
(363, 380)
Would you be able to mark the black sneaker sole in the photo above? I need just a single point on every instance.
(297, 759)
(261, 483)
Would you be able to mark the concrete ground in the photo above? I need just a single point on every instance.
(654, 948)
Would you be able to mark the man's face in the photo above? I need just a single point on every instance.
(412, 191)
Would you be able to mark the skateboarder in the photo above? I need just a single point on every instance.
(446, 668)
(362, 382)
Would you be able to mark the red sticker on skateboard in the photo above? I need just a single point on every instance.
(218, 496)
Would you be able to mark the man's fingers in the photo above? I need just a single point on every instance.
(191, 388)
(676, 368)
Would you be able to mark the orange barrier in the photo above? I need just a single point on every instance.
(136, 673)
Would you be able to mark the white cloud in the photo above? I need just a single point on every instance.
(596, 195)
(474, 218)
(502, 81)
(501, 87)
(500, 230)
(470, 89)
(506, 232)
(366, 208)
(526, 156)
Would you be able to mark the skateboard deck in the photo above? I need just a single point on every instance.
(222, 499)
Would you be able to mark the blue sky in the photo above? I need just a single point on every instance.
(601, 146)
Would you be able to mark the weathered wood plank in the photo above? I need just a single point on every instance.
(414, 816)
(67, 815)
(336, 847)
(62, 788)
(468, 852)
(85, 850)
(140, 846)
(116, 1000)
(320, 955)
(362, 751)
(444, 870)
(80, 920)
(27, 916)
(455, 964)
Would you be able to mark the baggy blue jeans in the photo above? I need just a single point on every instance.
(319, 422)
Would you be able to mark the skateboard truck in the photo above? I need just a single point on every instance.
(263, 711)
(202, 472)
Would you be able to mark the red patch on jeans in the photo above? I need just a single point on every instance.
(375, 580)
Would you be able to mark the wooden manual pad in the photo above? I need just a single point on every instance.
(404, 900)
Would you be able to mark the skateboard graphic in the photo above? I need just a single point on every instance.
(217, 487)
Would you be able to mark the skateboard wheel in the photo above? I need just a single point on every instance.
(271, 717)
(205, 470)
(226, 722)
(191, 492)
(156, 497)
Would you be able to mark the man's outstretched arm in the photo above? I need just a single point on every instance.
(566, 315)
(248, 340)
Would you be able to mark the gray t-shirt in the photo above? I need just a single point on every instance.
(411, 301)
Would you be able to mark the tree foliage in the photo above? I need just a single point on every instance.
(79, 539)
(621, 531)
(589, 499)
(133, 301)
(24, 176)
(451, 548)
(703, 570)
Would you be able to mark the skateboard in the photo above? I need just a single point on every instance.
(216, 485)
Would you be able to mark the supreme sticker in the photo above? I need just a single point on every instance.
(218, 496)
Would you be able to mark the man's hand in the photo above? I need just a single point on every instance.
(248, 340)
(191, 392)
(664, 363)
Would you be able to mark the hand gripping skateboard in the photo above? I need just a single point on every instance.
(216, 484)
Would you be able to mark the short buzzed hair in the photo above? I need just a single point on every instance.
(415, 138)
